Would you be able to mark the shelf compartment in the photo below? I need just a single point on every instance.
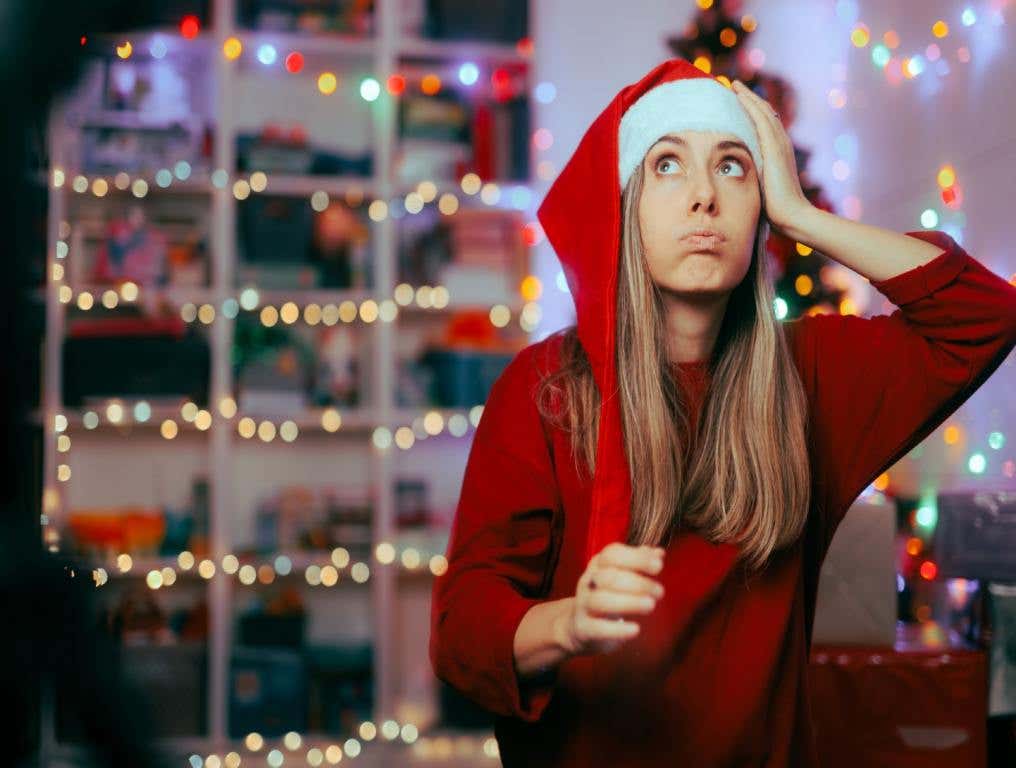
(288, 243)
(134, 357)
(97, 418)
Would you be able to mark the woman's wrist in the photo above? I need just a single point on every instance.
(542, 640)
(562, 628)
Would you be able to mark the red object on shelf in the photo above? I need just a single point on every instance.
(127, 529)
(127, 326)
(471, 328)
(483, 142)
(920, 704)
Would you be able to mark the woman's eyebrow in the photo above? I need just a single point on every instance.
(720, 145)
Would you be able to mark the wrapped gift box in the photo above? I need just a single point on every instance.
(975, 537)
(856, 601)
(919, 703)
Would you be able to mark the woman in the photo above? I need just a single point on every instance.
(632, 578)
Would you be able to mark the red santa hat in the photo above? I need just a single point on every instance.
(581, 216)
(690, 103)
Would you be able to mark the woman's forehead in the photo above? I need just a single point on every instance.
(714, 139)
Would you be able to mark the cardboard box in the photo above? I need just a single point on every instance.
(856, 601)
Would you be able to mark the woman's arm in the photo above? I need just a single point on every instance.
(502, 552)
(878, 386)
(541, 640)
(873, 252)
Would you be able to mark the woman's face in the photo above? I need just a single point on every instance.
(694, 180)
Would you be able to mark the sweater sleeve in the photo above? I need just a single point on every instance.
(501, 552)
(879, 386)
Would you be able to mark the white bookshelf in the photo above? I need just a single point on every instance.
(219, 445)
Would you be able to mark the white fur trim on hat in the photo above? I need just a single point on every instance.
(695, 104)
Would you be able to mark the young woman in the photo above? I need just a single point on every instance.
(633, 566)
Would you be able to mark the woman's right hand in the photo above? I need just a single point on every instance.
(614, 585)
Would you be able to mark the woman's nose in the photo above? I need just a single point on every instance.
(703, 196)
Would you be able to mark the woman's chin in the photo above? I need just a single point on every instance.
(699, 272)
(689, 290)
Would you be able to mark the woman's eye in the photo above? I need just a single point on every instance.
(733, 161)
(664, 162)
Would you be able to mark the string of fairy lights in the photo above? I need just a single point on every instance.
(289, 312)
(886, 55)
(317, 752)
(369, 309)
(312, 313)
(181, 178)
(122, 415)
(319, 569)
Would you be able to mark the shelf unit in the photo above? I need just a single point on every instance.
(384, 52)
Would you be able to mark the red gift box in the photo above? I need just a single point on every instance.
(920, 704)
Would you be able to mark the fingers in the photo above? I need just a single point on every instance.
(645, 559)
(759, 109)
(609, 629)
(624, 586)
(749, 95)
(625, 580)
(608, 603)
(620, 584)
(776, 144)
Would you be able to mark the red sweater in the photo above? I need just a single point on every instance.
(717, 677)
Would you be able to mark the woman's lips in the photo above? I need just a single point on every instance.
(704, 242)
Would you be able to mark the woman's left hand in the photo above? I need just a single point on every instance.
(781, 186)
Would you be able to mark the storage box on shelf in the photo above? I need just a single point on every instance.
(272, 122)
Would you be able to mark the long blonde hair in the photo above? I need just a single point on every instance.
(748, 480)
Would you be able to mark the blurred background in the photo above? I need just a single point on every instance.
(278, 251)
